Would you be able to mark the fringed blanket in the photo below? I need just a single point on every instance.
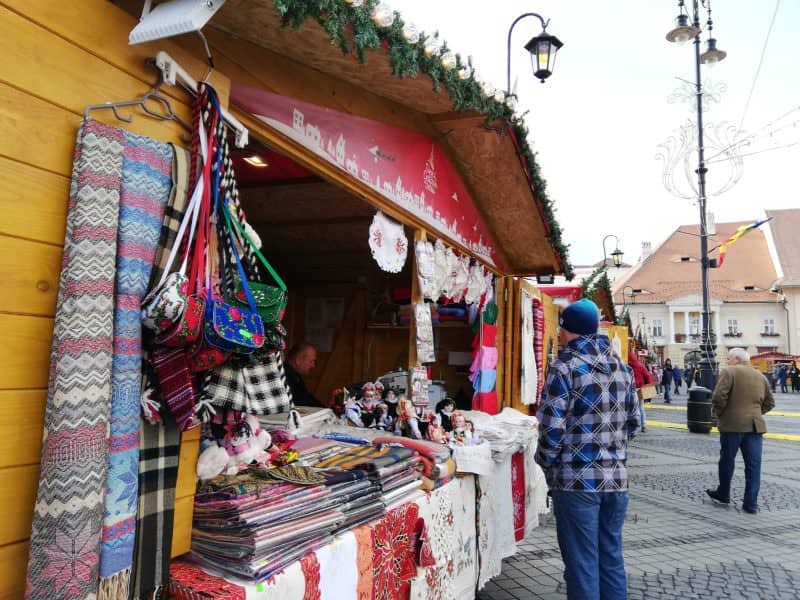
(146, 183)
(65, 537)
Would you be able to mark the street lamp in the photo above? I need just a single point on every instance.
(542, 48)
(616, 255)
(632, 294)
(680, 34)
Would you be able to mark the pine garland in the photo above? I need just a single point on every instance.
(353, 30)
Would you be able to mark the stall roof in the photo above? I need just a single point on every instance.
(498, 167)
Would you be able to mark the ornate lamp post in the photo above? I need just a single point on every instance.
(616, 255)
(682, 33)
(542, 48)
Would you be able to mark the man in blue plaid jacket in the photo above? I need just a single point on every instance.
(587, 415)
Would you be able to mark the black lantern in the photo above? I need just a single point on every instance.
(616, 256)
(712, 55)
(543, 49)
(682, 32)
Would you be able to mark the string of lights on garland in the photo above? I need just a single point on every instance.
(358, 26)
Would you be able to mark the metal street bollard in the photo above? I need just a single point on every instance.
(699, 410)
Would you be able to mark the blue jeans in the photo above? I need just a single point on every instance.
(642, 415)
(750, 445)
(667, 394)
(589, 527)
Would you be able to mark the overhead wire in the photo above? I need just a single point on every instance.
(758, 131)
(760, 63)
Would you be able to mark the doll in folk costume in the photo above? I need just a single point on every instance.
(352, 412)
(391, 400)
(436, 432)
(461, 434)
(407, 420)
(371, 397)
(383, 420)
(444, 410)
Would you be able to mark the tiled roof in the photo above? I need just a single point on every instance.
(785, 226)
(663, 276)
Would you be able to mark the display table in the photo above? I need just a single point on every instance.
(442, 544)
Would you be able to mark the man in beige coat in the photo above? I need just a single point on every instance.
(740, 399)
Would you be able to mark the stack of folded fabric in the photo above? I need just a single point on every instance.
(393, 468)
(437, 467)
(483, 370)
(453, 312)
(251, 525)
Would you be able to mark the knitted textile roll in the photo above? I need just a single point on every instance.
(146, 184)
(65, 536)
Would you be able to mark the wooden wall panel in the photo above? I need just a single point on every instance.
(58, 57)
(13, 565)
(21, 438)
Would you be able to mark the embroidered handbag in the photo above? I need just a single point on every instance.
(270, 300)
(174, 382)
(164, 305)
(227, 327)
(203, 357)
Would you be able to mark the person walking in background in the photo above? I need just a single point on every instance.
(641, 377)
(740, 398)
(771, 379)
(676, 377)
(666, 381)
(795, 375)
(656, 370)
(587, 415)
(783, 373)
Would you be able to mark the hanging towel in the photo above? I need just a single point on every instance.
(538, 344)
(146, 183)
(158, 474)
(529, 375)
(65, 537)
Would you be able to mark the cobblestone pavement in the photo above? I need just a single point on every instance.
(677, 543)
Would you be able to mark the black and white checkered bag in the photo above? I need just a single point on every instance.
(265, 385)
(257, 387)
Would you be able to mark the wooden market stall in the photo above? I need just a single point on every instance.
(63, 56)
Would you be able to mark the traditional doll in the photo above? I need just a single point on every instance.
(391, 401)
(407, 420)
(371, 397)
(445, 410)
(461, 435)
(383, 420)
(352, 412)
(435, 431)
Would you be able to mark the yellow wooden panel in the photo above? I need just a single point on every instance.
(24, 351)
(78, 22)
(187, 468)
(17, 496)
(13, 568)
(36, 132)
(21, 422)
(52, 68)
(182, 526)
(33, 202)
(30, 274)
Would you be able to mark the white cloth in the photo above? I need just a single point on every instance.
(475, 459)
(496, 521)
(388, 243)
(426, 269)
(424, 328)
(476, 284)
(289, 584)
(527, 372)
(338, 568)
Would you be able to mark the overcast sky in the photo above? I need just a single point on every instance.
(598, 121)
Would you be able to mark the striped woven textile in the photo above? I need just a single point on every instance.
(65, 536)
(538, 345)
(146, 184)
(368, 458)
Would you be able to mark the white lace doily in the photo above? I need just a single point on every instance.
(388, 243)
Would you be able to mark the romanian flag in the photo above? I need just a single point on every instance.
(744, 229)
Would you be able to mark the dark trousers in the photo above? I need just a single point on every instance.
(750, 444)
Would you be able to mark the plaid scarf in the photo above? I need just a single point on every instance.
(257, 388)
(65, 537)
(146, 182)
(158, 475)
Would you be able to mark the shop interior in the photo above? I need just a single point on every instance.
(357, 315)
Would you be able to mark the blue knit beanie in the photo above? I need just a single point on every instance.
(581, 317)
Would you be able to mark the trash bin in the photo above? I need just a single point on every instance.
(699, 410)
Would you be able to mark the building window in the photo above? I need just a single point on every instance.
(733, 326)
(658, 328)
(694, 326)
(769, 326)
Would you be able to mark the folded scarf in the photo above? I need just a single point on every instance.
(486, 402)
(430, 450)
(484, 380)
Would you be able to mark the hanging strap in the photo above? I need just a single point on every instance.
(264, 261)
